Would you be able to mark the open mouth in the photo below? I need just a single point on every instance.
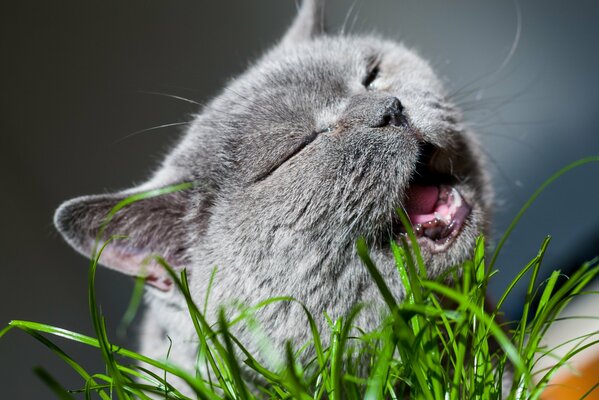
(432, 202)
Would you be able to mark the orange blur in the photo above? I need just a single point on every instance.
(570, 384)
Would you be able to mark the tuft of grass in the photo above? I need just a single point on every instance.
(438, 342)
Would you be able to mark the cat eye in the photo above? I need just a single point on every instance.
(373, 73)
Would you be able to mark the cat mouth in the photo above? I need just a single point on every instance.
(435, 207)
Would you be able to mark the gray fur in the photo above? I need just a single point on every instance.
(289, 230)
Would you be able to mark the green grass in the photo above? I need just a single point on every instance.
(439, 342)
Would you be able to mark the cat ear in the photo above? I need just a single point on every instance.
(153, 225)
(308, 23)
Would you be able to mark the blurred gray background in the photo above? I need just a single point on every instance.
(73, 81)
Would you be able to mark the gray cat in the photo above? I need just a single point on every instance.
(313, 147)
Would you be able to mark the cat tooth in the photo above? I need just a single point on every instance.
(446, 218)
(456, 197)
(417, 230)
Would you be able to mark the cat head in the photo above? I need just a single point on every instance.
(316, 145)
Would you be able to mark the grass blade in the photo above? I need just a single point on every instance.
(53, 384)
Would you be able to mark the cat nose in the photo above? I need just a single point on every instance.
(392, 114)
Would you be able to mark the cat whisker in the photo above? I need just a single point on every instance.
(172, 96)
(355, 19)
(462, 93)
(509, 138)
(346, 19)
(197, 103)
(483, 124)
(516, 40)
(494, 77)
(151, 129)
(494, 103)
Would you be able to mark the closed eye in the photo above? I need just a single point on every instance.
(303, 144)
(371, 76)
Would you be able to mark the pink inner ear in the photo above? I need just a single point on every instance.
(134, 263)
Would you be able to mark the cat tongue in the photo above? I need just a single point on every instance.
(421, 200)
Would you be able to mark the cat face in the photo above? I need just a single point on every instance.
(316, 145)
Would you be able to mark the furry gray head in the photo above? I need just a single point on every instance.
(313, 147)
